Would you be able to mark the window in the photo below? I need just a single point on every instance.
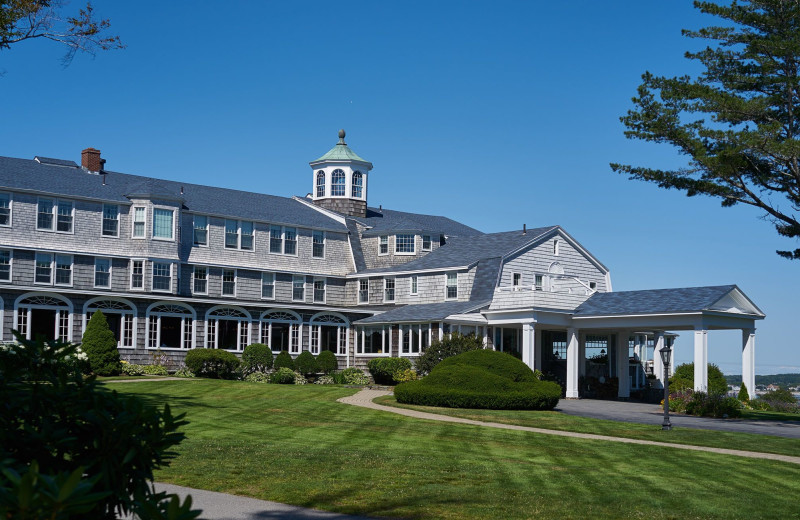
(139, 218)
(200, 280)
(162, 223)
(452, 286)
(388, 289)
(200, 230)
(328, 332)
(318, 239)
(137, 274)
(373, 340)
(102, 272)
(170, 326)
(110, 220)
(290, 241)
(268, 286)
(5, 266)
(63, 269)
(517, 279)
(229, 282)
(162, 276)
(239, 235)
(319, 290)
(231, 234)
(337, 183)
(593, 286)
(358, 185)
(298, 288)
(555, 247)
(426, 242)
(320, 183)
(404, 244)
(281, 331)
(227, 328)
(246, 240)
(58, 211)
(363, 291)
(275, 239)
(537, 284)
(414, 284)
(384, 245)
(5, 209)
(44, 268)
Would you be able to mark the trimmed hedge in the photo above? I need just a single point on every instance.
(383, 370)
(327, 362)
(256, 357)
(481, 379)
(306, 363)
(283, 360)
(452, 345)
(212, 363)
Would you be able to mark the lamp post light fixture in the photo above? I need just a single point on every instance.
(666, 354)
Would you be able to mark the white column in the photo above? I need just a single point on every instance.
(537, 348)
(749, 360)
(581, 355)
(572, 363)
(658, 365)
(624, 391)
(527, 344)
(701, 360)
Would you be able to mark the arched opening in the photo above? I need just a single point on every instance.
(44, 315)
(227, 328)
(281, 330)
(120, 315)
(330, 331)
(358, 184)
(337, 183)
(320, 183)
(170, 326)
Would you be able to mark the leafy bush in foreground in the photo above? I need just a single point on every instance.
(257, 377)
(683, 379)
(212, 363)
(383, 370)
(283, 376)
(327, 362)
(306, 363)
(155, 370)
(352, 376)
(283, 360)
(705, 405)
(129, 369)
(450, 346)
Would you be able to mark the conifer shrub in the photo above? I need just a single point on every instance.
(306, 363)
(283, 360)
(383, 370)
(481, 379)
(256, 357)
(101, 346)
(743, 396)
(450, 346)
(212, 363)
(327, 362)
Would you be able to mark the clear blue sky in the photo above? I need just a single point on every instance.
(495, 114)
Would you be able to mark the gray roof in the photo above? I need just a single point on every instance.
(656, 301)
(355, 242)
(385, 221)
(422, 313)
(56, 178)
(462, 251)
(485, 279)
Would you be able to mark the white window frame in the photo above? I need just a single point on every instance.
(343, 184)
(359, 185)
(415, 349)
(71, 270)
(397, 243)
(330, 319)
(63, 319)
(194, 278)
(386, 290)
(103, 221)
(11, 208)
(430, 246)
(36, 266)
(324, 281)
(195, 228)
(320, 175)
(272, 229)
(365, 301)
(239, 235)
(314, 234)
(110, 269)
(174, 223)
(144, 270)
(54, 215)
(538, 282)
(10, 267)
(191, 314)
(556, 247)
(383, 240)
(130, 311)
(134, 222)
(413, 282)
(447, 286)
(295, 321)
(294, 278)
(263, 274)
(286, 241)
(386, 341)
(153, 276)
(235, 283)
(516, 280)
(243, 330)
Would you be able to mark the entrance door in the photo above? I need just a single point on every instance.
(43, 324)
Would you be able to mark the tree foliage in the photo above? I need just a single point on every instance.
(22, 20)
(738, 122)
(683, 379)
(101, 346)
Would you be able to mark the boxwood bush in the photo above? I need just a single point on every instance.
(212, 363)
(481, 379)
(326, 362)
(283, 360)
(306, 363)
(451, 345)
(383, 370)
(256, 357)
(283, 376)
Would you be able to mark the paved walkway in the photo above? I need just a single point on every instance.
(364, 399)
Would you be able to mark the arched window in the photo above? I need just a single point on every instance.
(281, 330)
(120, 315)
(44, 314)
(337, 183)
(329, 331)
(170, 326)
(358, 184)
(556, 270)
(227, 328)
(320, 183)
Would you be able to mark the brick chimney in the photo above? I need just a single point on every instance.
(91, 161)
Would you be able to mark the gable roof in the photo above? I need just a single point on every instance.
(54, 177)
(721, 298)
(425, 312)
(383, 221)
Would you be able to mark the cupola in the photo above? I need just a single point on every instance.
(339, 180)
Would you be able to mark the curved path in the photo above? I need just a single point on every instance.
(364, 399)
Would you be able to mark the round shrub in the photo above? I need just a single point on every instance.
(306, 363)
(212, 363)
(353, 376)
(283, 376)
(498, 363)
(383, 370)
(283, 360)
(327, 362)
(406, 375)
(256, 357)
(450, 346)
(101, 346)
(257, 377)
(683, 379)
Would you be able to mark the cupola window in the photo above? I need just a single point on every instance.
(320, 183)
(337, 183)
(358, 183)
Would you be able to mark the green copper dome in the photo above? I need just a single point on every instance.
(341, 152)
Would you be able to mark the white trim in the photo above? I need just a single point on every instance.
(358, 291)
(346, 325)
(10, 215)
(102, 220)
(245, 321)
(159, 315)
(10, 272)
(132, 311)
(130, 273)
(28, 307)
(380, 239)
(430, 243)
(413, 281)
(304, 288)
(208, 229)
(447, 286)
(153, 275)
(298, 321)
(54, 214)
(239, 235)
(174, 223)
(261, 286)
(324, 244)
(394, 289)
(110, 269)
(134, 236)
(194, 270)
(373, 273)
(235, 283)
(324, 289)
(413, 244)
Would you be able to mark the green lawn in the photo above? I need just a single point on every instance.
(102, 379)
(759, 415)
(295, 444)
(561, 421)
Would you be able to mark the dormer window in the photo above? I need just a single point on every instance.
(320, 183)
(337, 183)
(358, 184)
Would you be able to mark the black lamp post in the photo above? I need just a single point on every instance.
(666, 353)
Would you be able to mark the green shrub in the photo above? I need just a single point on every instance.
(325, 380)
(305, 363)
(284, 360)
(383, 370)
(183, 372)
(257, 377)
(327, 362)
(781, 395)
(406, 375)
(129, 369)
(743, 396)
(481, 379)
(256, 357)
(283, 376)
(780, 400)
(299, 379)
(713, 405)
(352, 376)
(155, 370)
(212, 363)
(101, 346)
(450, 346)
(683, 379)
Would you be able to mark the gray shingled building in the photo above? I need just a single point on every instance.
(176, 266)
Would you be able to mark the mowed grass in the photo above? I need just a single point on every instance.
(297, 445)
(552, 420)
(762, 415)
